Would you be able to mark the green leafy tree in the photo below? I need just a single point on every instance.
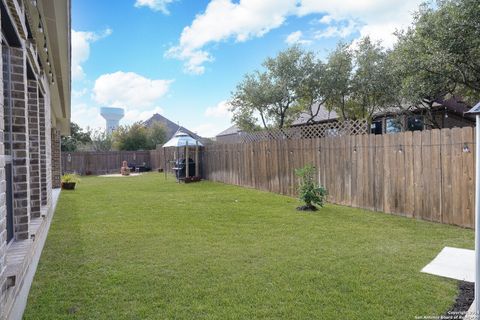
(270, 94)
(312, 90)
(422, 84)
(339, 86)
(251, 98)
(373, 86)
(439, 56)
(77, 138)
(448, 35)
(157, 134)
(138, 137)
(101, 141)
(131, 138)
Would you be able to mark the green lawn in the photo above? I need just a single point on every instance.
(146, 248)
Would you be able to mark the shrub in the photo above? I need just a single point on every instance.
(308, 191)
(70, 177)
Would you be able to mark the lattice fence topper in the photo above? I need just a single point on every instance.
(320, 130)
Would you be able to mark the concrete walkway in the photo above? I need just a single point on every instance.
(454, 263)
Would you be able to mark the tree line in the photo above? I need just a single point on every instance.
(437, 57)
(125, 138)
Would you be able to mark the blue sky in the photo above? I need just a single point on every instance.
(183, 58)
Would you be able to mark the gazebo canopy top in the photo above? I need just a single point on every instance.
(181, 139)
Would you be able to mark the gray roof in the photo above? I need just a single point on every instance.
(322, 115)
(170, 126)
(232, 130)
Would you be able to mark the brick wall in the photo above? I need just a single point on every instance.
(43, 155)
(34, 148)
(20, 147)
(56, 158)
(3, 208)
(48, 148)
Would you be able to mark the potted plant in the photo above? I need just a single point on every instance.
(69, 181)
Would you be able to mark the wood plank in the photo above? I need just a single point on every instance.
(409, 174)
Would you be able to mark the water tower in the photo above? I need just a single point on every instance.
(112, 116)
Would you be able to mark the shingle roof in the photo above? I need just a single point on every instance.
(232, 130)
(322, 116)
(170, 126)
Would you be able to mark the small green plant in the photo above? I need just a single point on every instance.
(70, 177)
(308, 190)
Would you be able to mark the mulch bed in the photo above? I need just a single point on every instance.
(463, 302)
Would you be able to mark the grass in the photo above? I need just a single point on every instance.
(146, 248)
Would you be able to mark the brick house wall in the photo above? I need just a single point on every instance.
(34, 148)
(29, 136)
(56, 159)
(20, 145)
(3, 206)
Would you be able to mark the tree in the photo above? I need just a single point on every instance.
(252, 96)
(157, 134)
(101, 141)
(420, 86)
(76, 138)
(338, 72)
(444, 44)
(312, 90)
(131, 138)
(138, 137)
(452, 33)
(271, 94)
(373, 85)
(286, 71)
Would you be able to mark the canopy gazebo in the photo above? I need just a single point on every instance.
(182, 141)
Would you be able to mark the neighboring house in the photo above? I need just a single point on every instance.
(230, 135)
(447, 114)
(36, 60)
(170, 126)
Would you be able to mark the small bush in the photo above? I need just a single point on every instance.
(308, 191)
(70, 177)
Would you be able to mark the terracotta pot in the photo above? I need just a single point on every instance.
(68, 185)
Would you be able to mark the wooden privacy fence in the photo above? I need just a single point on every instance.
(162, 158)
(422, 174)
(101, 162)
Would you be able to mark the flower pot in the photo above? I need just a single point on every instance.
(68, 185)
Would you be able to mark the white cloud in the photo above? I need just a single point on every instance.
(134, 115)
(221, 110)
(375, 18)
(155, 5)
(223, 20)
(81, 41)
(341, 30)
(246, 19)
(87, 116)
(208, 130)
(129, 90)
(293, 37)
(296, 38)
(79, 93)
(326, 19)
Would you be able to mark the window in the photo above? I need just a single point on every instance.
(393, 125)
(415, 123)
(376, 127)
